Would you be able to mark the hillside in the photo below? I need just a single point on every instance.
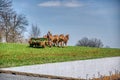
(21, 54)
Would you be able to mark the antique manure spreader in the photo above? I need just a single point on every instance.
(38, 42)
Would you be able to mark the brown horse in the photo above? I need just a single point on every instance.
(61, 40)
(66, 38)
(52, 39)
(55, 39)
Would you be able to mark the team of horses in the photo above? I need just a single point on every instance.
(57, 40)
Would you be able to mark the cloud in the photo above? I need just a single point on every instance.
(73, 3)
(50, 4)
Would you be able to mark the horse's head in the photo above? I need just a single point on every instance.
(45, 36)
(67, 36)
(50, 36)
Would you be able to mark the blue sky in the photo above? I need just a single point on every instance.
(78, 18)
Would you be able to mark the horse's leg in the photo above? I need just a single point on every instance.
(61, 44)
(49, 43)
(65, 44)
(57, 43)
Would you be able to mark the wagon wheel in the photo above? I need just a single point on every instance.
(31, 45)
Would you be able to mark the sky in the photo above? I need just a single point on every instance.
(78, 18)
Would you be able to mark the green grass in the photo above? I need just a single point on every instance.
(21, 54)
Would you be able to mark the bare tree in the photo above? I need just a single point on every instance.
(5, 5)
(6, 25)
(18, 23)
(35, 31)
(83, 42)
(5, 11)
(95, 43)
(11, 23)
(90, 42)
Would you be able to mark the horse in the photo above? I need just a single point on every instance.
(55, 39)
(61, 40)
(66, 38)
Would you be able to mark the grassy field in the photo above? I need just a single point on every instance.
(21, 54)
